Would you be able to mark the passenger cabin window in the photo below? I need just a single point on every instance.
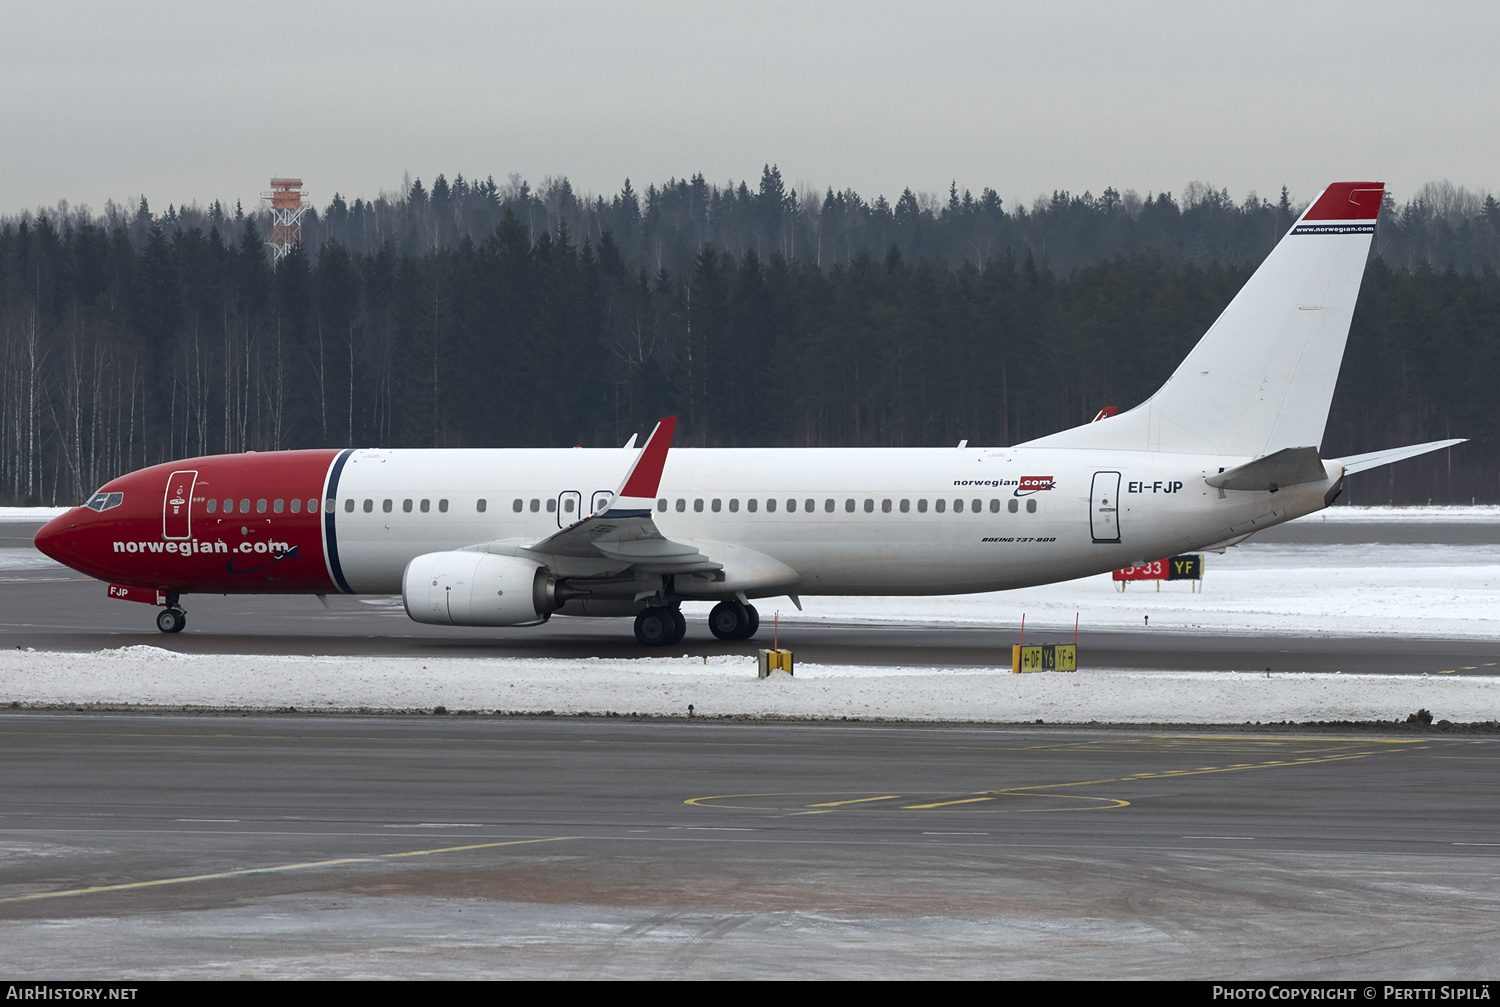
(958, 506)
(551, 506)
(716, 505)
(885, 506)
(734, 505)
(349, 506)
(426, 505)
(406, 506)
(443, 506)
(681, 505)
(212, 505)
(698, 506)
(260, 506)
(1031, 506)
(809, 505)
(995, 506)
(568, 505)
(279, 505)
(905, 506)
(849, 505)
(312, 505)
(771, 506)
(791, 506)
(369, 506)
(940, 505)
(296, 505)
(978, 505)
(661, 505)
(516, 505)
(750, 505)
(536, 505)
(481, 504)
(385, 505)
(921, 506)
(869, 506)
(1012, 506)
(828, 505)
(245, 506)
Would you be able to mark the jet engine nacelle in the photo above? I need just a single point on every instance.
(477, 589)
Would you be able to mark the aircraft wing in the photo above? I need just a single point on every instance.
(625, 531)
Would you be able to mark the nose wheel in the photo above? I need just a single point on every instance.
(171, 620)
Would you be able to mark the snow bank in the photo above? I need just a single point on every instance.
(31, 513)
(664, 686)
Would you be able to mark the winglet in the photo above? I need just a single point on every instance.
(637, 494)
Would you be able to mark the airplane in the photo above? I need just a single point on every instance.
(1229, 446)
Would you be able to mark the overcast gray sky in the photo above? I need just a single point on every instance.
(194, 101)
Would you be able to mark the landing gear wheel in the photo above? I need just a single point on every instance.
(171, 620)
(679, 628)
(655, 627)
(729, 620)
(754, 622)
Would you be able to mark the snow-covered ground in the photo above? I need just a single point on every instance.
(1440, 591)
(1301, 590)
(665, 686)
(31, 513)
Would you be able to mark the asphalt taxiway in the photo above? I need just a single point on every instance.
(171, 847)
(164, 846)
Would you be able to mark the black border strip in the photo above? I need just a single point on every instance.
(1334, 229)
(330, 540)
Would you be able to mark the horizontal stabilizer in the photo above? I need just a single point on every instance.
(1287, 467)
(1375, 459)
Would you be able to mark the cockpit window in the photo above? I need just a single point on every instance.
(105, 501)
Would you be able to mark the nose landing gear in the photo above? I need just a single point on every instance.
(172, 618)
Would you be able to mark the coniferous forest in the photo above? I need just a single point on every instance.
(476, 314)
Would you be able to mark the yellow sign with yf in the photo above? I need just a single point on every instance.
(1045, 657)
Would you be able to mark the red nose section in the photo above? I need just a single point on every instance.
(54, 540)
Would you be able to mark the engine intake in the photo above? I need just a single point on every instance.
(480, 589)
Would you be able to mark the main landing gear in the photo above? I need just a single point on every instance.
(172, 618)
(733, 620)
(659, 626)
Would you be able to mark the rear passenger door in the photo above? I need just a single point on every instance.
(1104, 507)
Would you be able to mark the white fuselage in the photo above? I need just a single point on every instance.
(816, 520)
